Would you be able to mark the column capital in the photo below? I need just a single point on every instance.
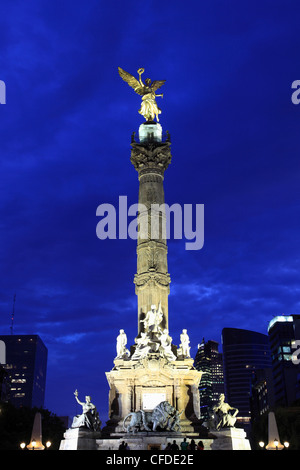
(151, 157)
(159, 279)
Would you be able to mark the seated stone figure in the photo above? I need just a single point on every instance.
(143, 347)
(166, 345)
(89, 418)
(221, 416)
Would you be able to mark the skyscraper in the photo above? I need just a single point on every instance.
(209, 360)
(26, 365)
(244, 352)
(283, 331)
(262, 392)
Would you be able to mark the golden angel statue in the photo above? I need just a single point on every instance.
(149, 108)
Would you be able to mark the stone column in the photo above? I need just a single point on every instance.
(151, 157)
(180, 399)
(138, 395)
(127, 400)
(170, 396)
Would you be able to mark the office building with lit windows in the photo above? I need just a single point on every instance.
(24, 358)
(262, 393)
(244, 353)
(209, 360)
(284, 332)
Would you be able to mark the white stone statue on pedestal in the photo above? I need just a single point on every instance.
(121, 345)
(143, 347)
(221, 423)
(184, 348)
(222, 416)
(153, 319)
(166, 345)
(89, 418)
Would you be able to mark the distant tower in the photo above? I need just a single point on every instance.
(26, 365)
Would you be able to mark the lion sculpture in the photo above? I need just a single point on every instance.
(164, 416)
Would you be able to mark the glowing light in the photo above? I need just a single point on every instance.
(280, 318)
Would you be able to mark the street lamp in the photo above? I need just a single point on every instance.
(34, 445)
(275, 444)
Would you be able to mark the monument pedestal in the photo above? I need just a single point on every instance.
(230, 439)
(79, 439)
(141, 441)
(154, 441)
(141, 385)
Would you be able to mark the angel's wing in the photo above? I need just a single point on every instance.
(157, 84)
(132, 81)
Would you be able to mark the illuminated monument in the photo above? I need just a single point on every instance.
(154, 370)
(153, 397)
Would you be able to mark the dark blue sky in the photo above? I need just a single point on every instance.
(65, 148)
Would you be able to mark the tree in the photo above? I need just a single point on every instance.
(16, 426)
